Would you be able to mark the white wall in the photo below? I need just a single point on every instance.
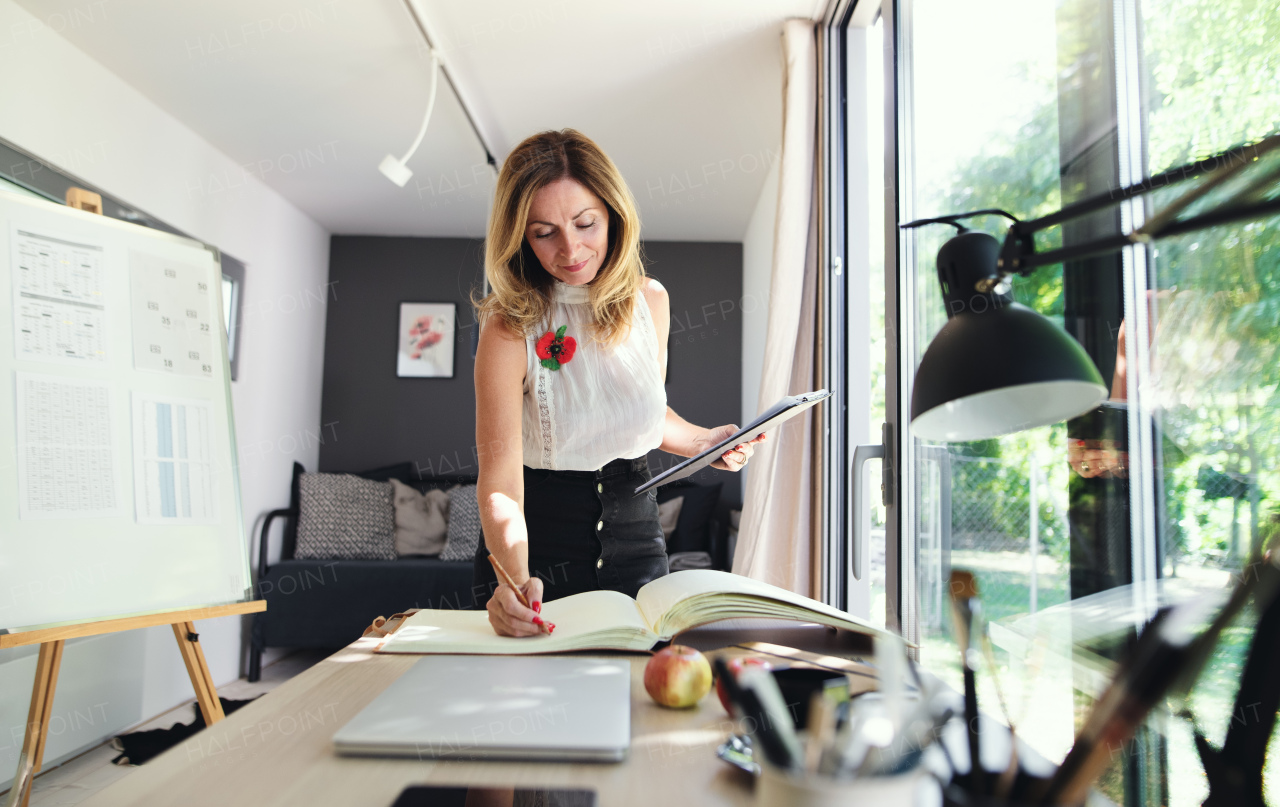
(62, 106)
(757, 269)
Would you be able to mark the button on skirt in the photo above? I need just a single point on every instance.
(587, 531)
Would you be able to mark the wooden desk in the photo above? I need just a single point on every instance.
(278, 750)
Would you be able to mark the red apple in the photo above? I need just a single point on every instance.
(736, 665)
(677, 676)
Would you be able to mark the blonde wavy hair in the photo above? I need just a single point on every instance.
(520, 286)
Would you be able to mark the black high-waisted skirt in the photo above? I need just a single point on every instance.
(587, 531)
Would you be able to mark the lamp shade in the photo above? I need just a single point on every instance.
(996, 367)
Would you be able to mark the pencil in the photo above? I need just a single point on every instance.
(506, 578)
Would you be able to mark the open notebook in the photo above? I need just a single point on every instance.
(607, 620)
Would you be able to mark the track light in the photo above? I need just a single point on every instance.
(397, 170)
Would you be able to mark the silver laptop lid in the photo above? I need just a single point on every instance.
(498, 707)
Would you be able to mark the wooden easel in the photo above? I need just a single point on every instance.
(51, 643)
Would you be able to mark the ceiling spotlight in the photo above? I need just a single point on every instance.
(394, 169)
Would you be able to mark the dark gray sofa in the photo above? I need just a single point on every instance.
(328, 603)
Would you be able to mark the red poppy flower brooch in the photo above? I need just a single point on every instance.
(555, 349)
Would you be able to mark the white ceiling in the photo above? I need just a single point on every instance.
(684, 95)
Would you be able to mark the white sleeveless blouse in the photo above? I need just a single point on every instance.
(599, 406)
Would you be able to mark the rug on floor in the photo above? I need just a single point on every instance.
(140, 746)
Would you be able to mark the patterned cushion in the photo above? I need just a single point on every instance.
(344, 517)
(464, 524)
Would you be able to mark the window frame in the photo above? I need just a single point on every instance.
(837, 119)
(845, 317)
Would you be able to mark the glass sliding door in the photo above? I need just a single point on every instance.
(1076, 531)
(980, 129)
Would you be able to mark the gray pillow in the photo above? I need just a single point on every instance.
(344, 517)
(422, 520)
(464, 524)
(682, 561)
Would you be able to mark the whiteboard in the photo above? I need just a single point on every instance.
(119, 489)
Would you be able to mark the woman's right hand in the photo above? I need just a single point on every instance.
(508, 617)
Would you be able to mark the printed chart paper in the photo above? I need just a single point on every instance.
(174, 324)
(59, 303)
(172, 461)
(66, 457)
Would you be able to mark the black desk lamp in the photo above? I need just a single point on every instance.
(997, 367)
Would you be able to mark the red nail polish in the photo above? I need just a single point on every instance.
(537, 620)
(551, 627)
(537, 607)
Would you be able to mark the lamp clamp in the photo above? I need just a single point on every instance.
(970, 262)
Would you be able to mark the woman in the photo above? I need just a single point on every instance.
(569, 385)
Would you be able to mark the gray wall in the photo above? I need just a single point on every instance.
(704, 351)
(373, 418)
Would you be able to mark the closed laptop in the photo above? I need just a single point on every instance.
(564, 708)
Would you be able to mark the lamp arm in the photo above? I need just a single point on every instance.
(1029, 259)
(1239, 156)
(1019, 245)
(1018, 254)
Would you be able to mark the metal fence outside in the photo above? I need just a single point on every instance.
(992, 516)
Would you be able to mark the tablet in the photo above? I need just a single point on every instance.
(775, 415)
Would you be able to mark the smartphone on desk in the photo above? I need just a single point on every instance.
(429, 796)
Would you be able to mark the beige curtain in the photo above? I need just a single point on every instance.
(774, 540)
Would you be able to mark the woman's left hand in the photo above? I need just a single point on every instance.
(735, 459)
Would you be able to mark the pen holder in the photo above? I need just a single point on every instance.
(1027, 789)
(776, 787)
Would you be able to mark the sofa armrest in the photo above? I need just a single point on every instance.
(264, 534)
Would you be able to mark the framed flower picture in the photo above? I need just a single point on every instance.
(426, 340)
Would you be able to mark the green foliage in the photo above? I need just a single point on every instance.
(1019, 174)
(1215, 76)
(1214, 82)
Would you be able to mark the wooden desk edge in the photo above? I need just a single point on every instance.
(278, 750)
(63, 632)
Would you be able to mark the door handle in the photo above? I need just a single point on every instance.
(859, 549)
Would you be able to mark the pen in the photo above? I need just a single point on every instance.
(759, 683)
(746, 707)
(964, 600)
(545, 626)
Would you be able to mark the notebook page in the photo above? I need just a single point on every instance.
(590, 620)
(660, 601)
